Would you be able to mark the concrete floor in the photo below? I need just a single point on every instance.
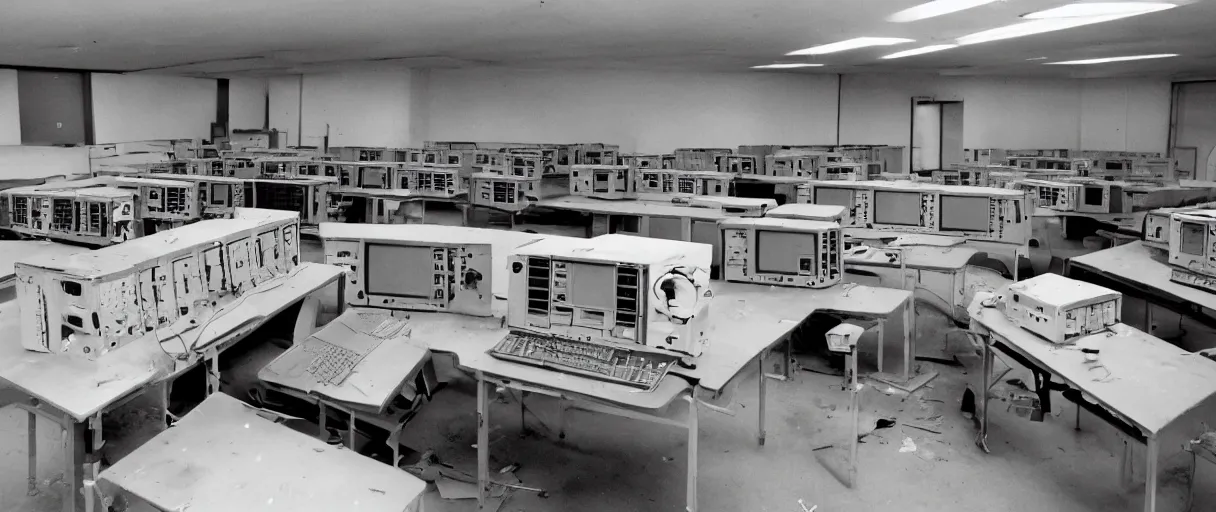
(615, 464)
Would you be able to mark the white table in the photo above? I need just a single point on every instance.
(365, 394)
(224, 457)
(1131, 270)
(75, 392)
(1155, 384)
(749, 320)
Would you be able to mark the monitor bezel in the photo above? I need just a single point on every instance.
(755, 249)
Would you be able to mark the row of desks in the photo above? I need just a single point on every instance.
(74, 392)
(749, 321)
(752, 320)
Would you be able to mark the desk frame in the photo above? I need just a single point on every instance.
(992, 340)
(487, 383)
(879, 324)
(84, 439)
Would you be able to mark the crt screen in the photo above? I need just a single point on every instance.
(592, 286)
(899, 208)
(1093, 196)
(834, 196)
(778, 252)
(399, 270)
(667, 228)
(964, 213)
(1192, 239)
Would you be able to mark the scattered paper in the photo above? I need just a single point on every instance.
(908, 446)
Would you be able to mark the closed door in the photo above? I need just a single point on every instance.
(52, 107)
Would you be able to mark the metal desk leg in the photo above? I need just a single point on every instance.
(763, 397)
(909, 333)
(1150, 477)
(882, 340)
(324, 433)
(74, 458)
(212, 365)
(1148, 317)
(856, 403)
(789, 356)
(693, 436)
(523, 411)
(341, 295)
(982, 439)
(483, 438)
(32, 432)
(1126, 471)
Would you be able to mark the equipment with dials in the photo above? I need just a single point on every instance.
(404, 268)
(603, 181)
(1192, 248)
(1060, 309)
(94, 302)
(787, 252)
(639, 294)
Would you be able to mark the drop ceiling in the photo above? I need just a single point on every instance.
(266, 37)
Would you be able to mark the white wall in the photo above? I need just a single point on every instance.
(1014, 113)
(247, 103)
(146, 107)
(640, 111)
(22, 162)
(10, 109)
(1125, 114)
(363, 108)
(647, 111)
(285, 106)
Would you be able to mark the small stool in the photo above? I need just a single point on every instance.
(843, 338)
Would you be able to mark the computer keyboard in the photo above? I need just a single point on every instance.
(636, 369)
(331, 364)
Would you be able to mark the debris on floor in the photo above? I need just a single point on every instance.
(908, 447)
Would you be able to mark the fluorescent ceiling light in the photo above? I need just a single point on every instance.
(1028, 28)
(1112, 59)
(787, 65)
(934, 9)
(1081, 10)
(851, 44)
(919, 51)
(1061, 18)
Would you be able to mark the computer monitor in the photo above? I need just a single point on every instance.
(964, 213)
(897, 208)
(667, 228)
(834, 196)
(777, 252)
(1193, 237)
(1092, 196)
(416, 267)
(638, 293)
(399, 271)
(787, 252)
(1192, 248)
